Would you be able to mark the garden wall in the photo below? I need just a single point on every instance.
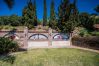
(86, 42)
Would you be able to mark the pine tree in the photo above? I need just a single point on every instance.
(45, 14)
(52, 21)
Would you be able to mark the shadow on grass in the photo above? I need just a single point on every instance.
(10, 58)
(7, 58)
(22, 50)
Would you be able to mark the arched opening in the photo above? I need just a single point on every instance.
(12, 36)
(38, 37)
(61, 37)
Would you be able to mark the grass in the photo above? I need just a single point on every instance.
(51, 57)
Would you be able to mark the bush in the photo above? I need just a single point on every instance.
(84, 32)
(7, 45)
(95, 33)
(1, 27)
(30, 26)
(7, 27)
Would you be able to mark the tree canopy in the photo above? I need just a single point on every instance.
(29, 15)
(52, 21)
(9, 3)
(45, 14)
(97, 9)
(68, 16)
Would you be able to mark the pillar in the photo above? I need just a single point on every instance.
(50, 37)
(26, 38)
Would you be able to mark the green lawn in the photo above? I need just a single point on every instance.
(51, 57)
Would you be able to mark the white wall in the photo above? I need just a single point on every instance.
(44, 44)
(37, 44)
(61, 43)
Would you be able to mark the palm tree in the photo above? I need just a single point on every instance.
(9, 3)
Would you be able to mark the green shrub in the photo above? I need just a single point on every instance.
(7, 45)
(84, 33)
(95, 33)
(7, 27)
(1, 27)
(30, 26)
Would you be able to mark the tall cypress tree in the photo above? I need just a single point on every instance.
(52, 21)
(25, 16)
(29, 14)
(45, 14)
(68, 16)
(35, 14)
(75, 11)
(63, 15)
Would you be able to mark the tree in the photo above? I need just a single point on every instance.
(25, 16)
(9, 3)
(52, 21)
(29, 15)
(96, 17)
(4, 20)
(97, 9)
(63, 17)
(86, 21)
(35, 14)
(68, 16)
(45, 14)
(14, 20)
(97, 21)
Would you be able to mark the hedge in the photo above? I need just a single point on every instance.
(86, 42)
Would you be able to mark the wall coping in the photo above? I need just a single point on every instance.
(30, 31)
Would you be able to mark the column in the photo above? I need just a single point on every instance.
(50, 37)
(26, 38)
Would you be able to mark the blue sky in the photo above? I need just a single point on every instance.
(82, 5)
